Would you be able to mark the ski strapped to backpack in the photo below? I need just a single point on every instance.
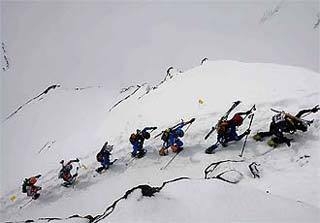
(189, 124)
(175, 126)
(224, 117)
(315, 108)
(309, 122)
(245, 140)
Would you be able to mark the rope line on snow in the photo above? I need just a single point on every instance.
(5, 64)
(32, 99)
(39, 96)
(146, 190)
(214, 166)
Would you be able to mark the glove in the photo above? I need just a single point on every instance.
(247, 132)
(62, 161)
(39, 175)
(77, 160)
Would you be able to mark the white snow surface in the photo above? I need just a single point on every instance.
(288, 190)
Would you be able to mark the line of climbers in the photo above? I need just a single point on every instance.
(281, 123)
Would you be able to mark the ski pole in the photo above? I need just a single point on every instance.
(251, 109)
(245, 140)
(130, 161)
(316, 107)
(162, 168)
(191, 121)
(26, 204)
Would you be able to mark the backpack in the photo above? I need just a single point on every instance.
(24, 186)
(133, 138)
(99, 157)
(222, 127)
(165, 135)
(278, 118)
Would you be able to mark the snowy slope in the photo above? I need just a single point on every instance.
(287, 190)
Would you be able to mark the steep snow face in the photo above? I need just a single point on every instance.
(289, 176)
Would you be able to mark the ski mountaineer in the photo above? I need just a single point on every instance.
(227, 131)
(284, 122)
(103, 157)
(30, 188)
(65, 172)
(171, 139)
(137, 140)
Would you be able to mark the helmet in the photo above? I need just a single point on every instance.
(33, 180)
(146, 135)
(180, 132)
(237, 119)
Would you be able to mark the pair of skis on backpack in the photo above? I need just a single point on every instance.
(223, 119)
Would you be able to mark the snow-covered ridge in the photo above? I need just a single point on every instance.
(217, 84)
(40, 97)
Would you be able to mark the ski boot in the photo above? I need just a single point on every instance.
(272, 143)
(257, 137)
(211, 149)
(163, 152)
(141, 153)
(176, 149)
(36, 196)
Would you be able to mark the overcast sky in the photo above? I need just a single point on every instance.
(117, 44)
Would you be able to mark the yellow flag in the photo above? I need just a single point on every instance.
(13, 198)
